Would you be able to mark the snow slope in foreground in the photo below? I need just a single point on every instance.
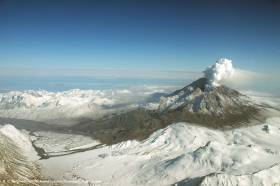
(180, 153)
(17, 156)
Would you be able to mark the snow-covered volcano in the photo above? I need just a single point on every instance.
(208, 101)
(208, 96)
(200, 97)
(200, 101)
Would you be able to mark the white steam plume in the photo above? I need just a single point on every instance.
(220, 71)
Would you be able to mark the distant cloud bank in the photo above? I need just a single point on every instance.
(111, 73)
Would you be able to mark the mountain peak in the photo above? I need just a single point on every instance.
(198, 103)
(201, 97)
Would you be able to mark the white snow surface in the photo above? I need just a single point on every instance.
(56, 143)
(220, 71)
(181, 152)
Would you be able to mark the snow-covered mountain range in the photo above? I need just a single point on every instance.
(179, 153)
(203, 134)
(69, 107)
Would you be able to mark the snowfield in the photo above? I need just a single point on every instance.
(57, 143)
(180, 153)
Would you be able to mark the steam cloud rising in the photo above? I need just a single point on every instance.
(220, 71)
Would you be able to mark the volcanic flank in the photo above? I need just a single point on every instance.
(204, 102)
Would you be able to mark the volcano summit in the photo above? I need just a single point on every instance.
(203, 102)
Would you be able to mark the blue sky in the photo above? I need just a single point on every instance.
(142, 35)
